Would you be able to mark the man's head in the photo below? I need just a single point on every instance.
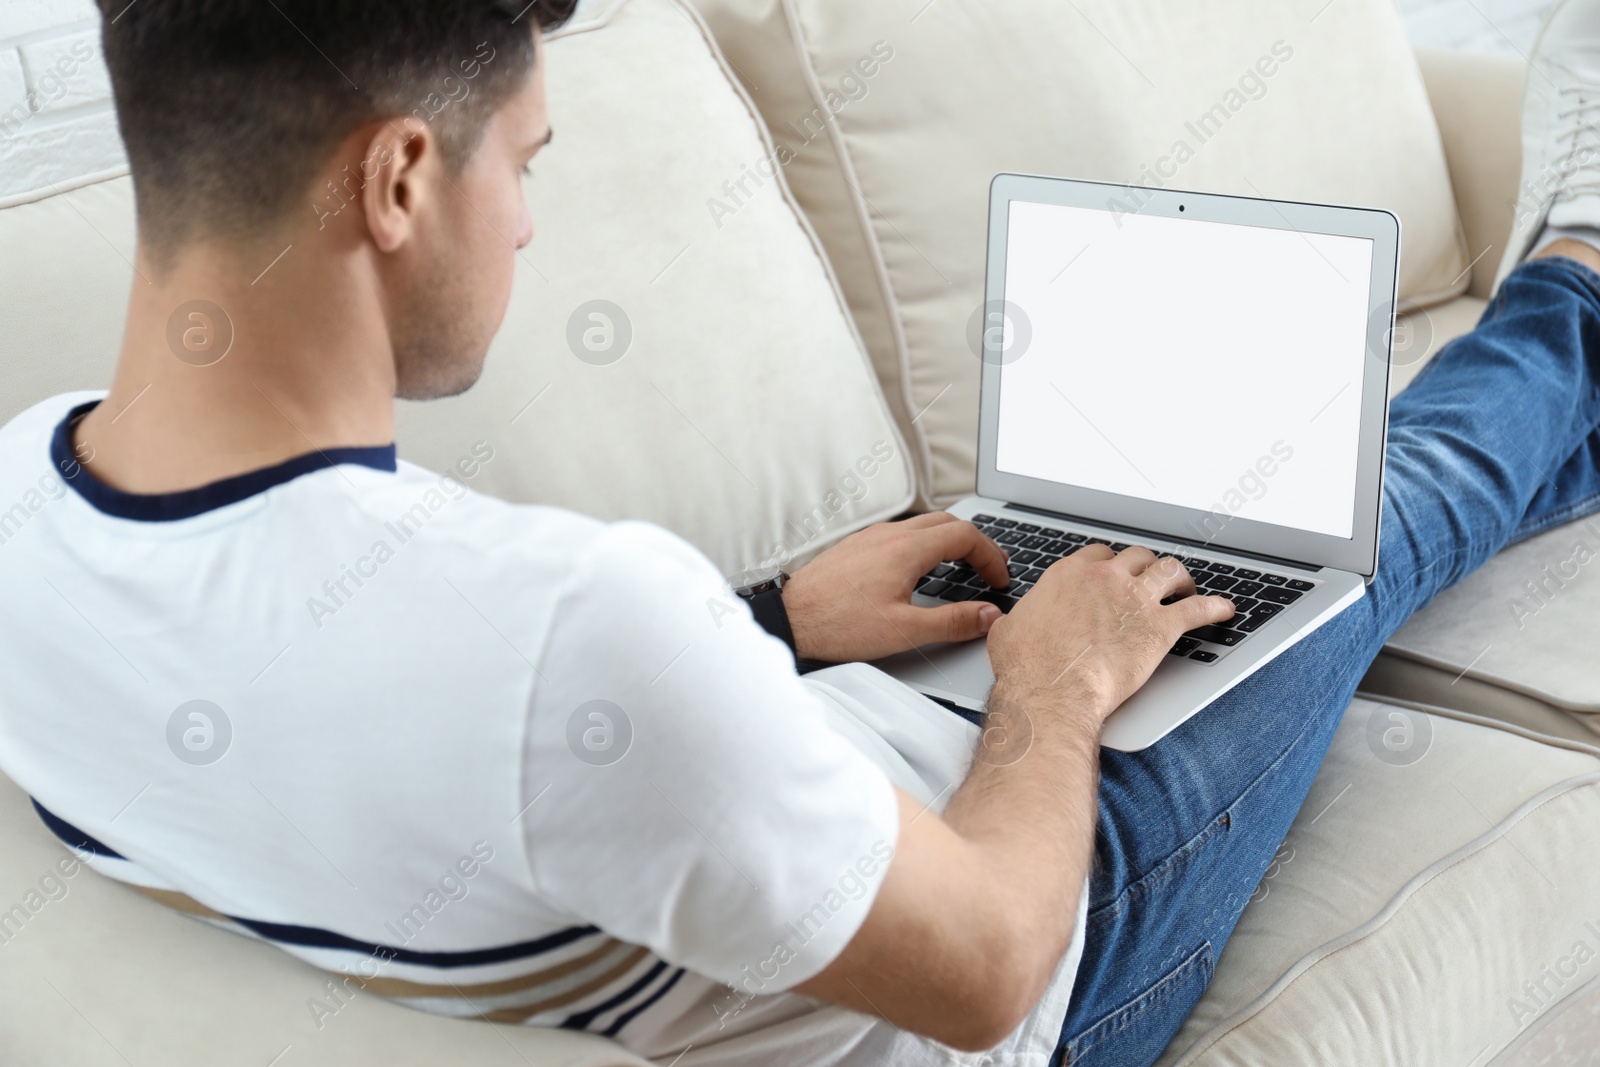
(400, 126)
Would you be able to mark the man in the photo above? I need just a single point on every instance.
(523, 773)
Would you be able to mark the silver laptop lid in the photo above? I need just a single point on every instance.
(1211, 368)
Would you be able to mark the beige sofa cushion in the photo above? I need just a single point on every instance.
(743, 413)
(1517, 640)
(892, 117)
(1413, 897)
(1477, 103)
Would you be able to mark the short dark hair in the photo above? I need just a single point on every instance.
(228, 107)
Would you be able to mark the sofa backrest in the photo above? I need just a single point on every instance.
(658, 362)
(1476, 99)
(891, 118)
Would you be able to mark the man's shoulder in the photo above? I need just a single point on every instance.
(443, 512)
(40, 420)
(25, 464)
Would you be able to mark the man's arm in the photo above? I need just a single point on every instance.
(978, 907)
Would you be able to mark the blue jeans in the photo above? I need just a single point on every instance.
(1496, 441)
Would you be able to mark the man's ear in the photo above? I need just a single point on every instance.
(394, 186)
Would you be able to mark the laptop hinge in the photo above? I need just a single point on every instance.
(1310, 568)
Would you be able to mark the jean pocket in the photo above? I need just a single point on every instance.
(1136, 1033)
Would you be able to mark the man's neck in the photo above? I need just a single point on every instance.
(227, 367)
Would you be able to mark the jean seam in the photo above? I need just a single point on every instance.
(1468, 551)
(1570, 513)
(1424, 575)
(1161, 872)
(1120, 1018)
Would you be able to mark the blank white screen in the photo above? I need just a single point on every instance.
(1179, 361)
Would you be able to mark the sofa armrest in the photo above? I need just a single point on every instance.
(1477, 102)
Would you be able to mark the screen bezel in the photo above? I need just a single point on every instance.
(1358, 553)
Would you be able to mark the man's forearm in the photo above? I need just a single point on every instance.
(1029, 805)
(979, 904)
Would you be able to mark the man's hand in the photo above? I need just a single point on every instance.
(853, 602)
(1100, 616)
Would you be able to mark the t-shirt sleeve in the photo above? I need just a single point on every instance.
(687, 793)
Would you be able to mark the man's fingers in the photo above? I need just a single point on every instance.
(1196, 611)
(961, 540)
(1166, 577)
(1087, 554)
(1135, 560)
(932, 518)
(950, 622)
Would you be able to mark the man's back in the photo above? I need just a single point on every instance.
(468, 735)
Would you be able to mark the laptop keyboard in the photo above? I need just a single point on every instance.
(1258, 596)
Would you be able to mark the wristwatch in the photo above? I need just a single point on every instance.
(762, 589)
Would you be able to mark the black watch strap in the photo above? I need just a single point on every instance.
(771, 615)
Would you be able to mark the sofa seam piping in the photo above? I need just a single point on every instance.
(891, 303)
(764, 135)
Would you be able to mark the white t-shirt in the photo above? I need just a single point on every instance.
(485, 759)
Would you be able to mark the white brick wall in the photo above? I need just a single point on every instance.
(57, 124)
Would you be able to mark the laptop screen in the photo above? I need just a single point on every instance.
(1202, 364)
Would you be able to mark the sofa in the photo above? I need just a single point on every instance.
(743, 317)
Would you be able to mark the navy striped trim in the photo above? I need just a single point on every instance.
(582, 1020)
(311, 937)
(73, 837)
(627, 1017)
(169, 507)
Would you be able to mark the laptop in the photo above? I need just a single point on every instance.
(1206, 376)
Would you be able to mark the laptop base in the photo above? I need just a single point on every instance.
(1180, 687)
